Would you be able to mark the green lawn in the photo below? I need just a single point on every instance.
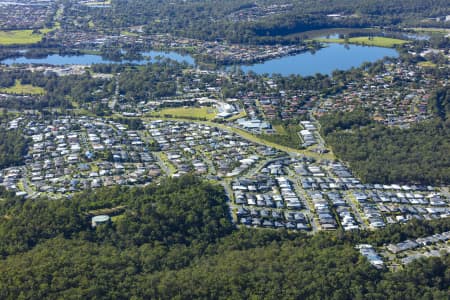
(427, 64)
(207, 113)
(278, 146)
(117, 218)
(167, 162)
(280, 129)
(128, 33)
(108, 211)
(23, 89)
(364, 40)
(432, 30)
(21, 37)
(240, 115)
(97, 3)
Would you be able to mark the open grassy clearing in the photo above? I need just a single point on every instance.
(203, 113)
(280, 129)
(128, 33)
(23, 89)
(108, 211)
(26, 36)
(432, 30)
(365, 40)
(21, 37)
(241, 114)
(286, 135)
(117, 218)
(58, 16)
(261, 141)
(318, 33)
(427, 64)
(98, 3)
(171, 168)
(83, 112)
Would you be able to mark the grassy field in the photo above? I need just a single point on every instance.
(83, 112)
(117, 218)
(364, 40)
(280, 129)
(432, 30)
(240, 115)
(171, 168)
(427, 64)
(128, 33)
(206, 113)
(26, 36)
(23, 89)
(98, 3)
(289, 150)
(287, 135)
(107, 211)
(21, 37)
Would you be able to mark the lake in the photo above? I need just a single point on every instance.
(325, 60)
(89, 59)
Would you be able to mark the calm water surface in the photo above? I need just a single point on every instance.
(89, 59)
(325, 61)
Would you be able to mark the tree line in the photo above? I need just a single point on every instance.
(381, 154)
(176, 240)
(13, 147)
(212, 20)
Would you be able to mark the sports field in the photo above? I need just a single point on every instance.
(21, 37)
(206, 113)
(368, 41)
(23, 89)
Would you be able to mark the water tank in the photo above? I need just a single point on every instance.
(101, 219)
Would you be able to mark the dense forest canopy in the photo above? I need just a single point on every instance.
(137, 83)
(59, 91)
(13, 147)
(150, 81)
(440, 104)
(175, 241)
(381, 154)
